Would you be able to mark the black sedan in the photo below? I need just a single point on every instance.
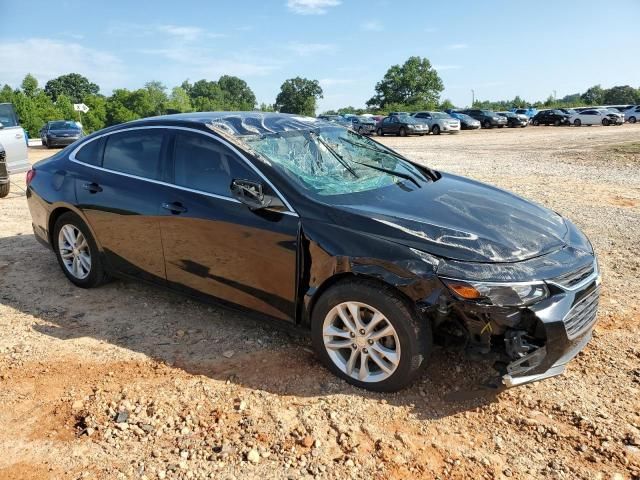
(314, 225)
(515, 119)
(402, 125)
(550, 117)
(60, 133)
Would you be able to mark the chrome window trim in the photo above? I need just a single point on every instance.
(72, 157)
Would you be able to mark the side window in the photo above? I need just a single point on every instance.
(386, 120)
(204, 164)
(91, 152)
(136, 152)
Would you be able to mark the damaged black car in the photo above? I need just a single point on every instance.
(309, 223)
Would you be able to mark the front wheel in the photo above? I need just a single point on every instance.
(577, 122)
(402, 132)
(77, 252)
(4, 189)
(632, 119)
(605, 122)
(536, 123)
(487, 124)
(367, 334)
(379, 132)
(435, 130)
(557, 123)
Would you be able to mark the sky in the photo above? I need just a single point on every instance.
(498, 48)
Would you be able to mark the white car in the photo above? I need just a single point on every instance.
(12, 138)
(439, 122)
(596, 116)
(632, 114)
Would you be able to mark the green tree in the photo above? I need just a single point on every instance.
(205, 95)
(29, 85)
(73, 85)
(236, 94)
(415, 83)
(96, 118)
(446, 105)
(619, 95)
(266, 107)
(154, 98)
(118, 108)
(594, 95)
(178, 101)
(299, 95)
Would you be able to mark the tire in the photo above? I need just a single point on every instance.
(413, 335)
(95, 273)
(605, 122)
(632, 119)
(536, 123)
(379, 132)
(557, 123)
(435, 130)
(500, 126)
(486, 124)
(402, 132)
(577, 122)
(4, 189)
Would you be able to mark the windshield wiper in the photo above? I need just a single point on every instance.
(406, 176)
(338, 157)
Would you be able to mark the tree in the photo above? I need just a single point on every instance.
(415, 83)
(178, 101)
(594, 95)
(299, 95)
(73, 85)
(29, 85)
(154, 98)
(446, 105)
(620, 95)
(96, 117)
(236, 94)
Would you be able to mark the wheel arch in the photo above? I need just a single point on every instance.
(60, 209)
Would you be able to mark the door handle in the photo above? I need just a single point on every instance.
(175, 207)
(92, 187)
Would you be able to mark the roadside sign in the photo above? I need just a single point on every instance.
(80, 107)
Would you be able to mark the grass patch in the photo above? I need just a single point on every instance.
(625, 148)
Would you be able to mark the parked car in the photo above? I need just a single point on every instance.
(515, 119)
(5, 184)
(399, 114)
(402, 125)
(329, 118)
(528, 112)
(632, 114)
(60, 133)
(487, 118)
(439, 122)
(315, 225)
(363, 125)
(550, 117)
(466, 122)
(12, 137)
(568, 111)
(599, 116)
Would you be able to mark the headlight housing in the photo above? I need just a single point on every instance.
(515, 294)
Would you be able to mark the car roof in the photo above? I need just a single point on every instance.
(237, 124)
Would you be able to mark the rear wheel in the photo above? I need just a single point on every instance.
(4, 189)
(402, 132)
(77, 252)
(486, 124)
(379, 132)
(367, 334)
(557, 123)
(435, 130)
(632, 119)
(577, 122)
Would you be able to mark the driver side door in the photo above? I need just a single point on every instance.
(216, 246)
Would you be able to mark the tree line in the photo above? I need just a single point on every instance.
(414, 85)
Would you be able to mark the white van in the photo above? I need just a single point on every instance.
(12, 138)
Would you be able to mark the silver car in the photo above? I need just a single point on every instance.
(632, 114)
(12, 138)
(439, 122)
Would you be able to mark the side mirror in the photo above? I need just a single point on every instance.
(252, 195)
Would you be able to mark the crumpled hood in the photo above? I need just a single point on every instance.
(460, 219)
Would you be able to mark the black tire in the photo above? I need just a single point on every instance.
(557, 123)
(486, 124)
(500, 126)
(379, 132)
(536, 123)
(402, 132)
(605, 122)
(435, 130)
(632, 120)
(414, 334)
(97, 274)
(577, 122)
(4, 189)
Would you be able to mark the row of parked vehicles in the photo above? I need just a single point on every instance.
(452, 121)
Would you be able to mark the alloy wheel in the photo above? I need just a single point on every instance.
(361, 342)
(74, 251)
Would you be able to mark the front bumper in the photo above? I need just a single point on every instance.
(61, 141)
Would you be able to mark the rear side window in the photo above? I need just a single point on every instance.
(204, 164)
(91, 153)
(136, 152)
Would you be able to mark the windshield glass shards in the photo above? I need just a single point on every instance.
(334, 161)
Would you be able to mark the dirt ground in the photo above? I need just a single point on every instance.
(129, 381)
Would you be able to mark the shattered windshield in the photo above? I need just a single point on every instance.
(334, 161)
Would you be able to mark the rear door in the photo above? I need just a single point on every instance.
(216, 246)
(119, 188)
(13, 140)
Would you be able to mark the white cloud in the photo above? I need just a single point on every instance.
(457, 46)
(182, 33)
(372, 26)
(447, 67)
(307, 49)
(46, 58)
(311, 7)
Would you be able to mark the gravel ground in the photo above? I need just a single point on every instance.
(128, 381)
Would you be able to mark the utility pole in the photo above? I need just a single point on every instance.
(473, 97)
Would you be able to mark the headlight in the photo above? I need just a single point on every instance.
(500, 294)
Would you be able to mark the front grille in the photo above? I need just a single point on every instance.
(569, 280)
(583, 314)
